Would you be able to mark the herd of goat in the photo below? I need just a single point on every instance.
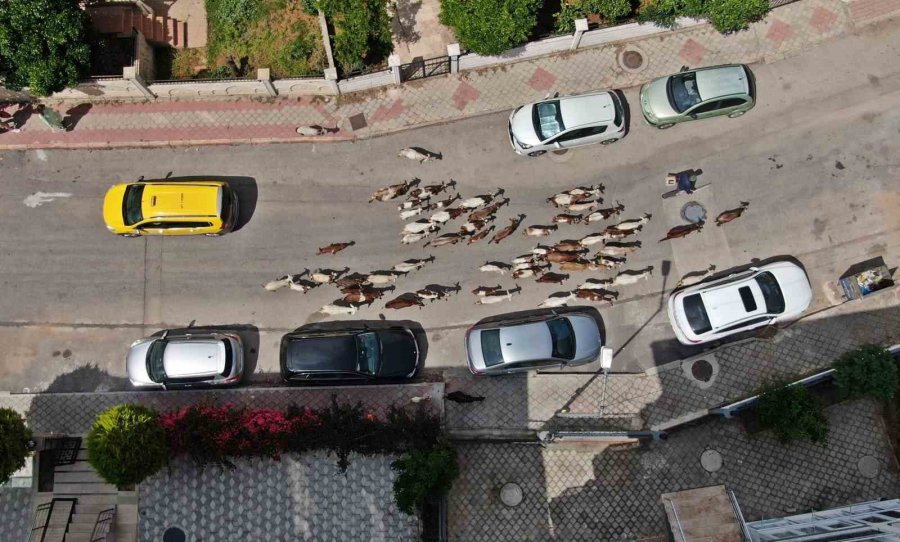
(579, 205)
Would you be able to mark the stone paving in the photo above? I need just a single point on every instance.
(664, 396)
(294, 499)
(787, 30)
(614, 494)
(15, 513)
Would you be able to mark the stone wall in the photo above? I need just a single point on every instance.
(144, 58)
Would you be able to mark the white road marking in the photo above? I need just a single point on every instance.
(39, 198)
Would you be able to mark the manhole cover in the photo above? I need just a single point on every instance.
(702, 370)
(632, 60)
(511, 494)
(174, 534)
(711, 460)
(868, 466)
(693, 212)
(358, 121)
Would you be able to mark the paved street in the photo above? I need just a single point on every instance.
(816, 159)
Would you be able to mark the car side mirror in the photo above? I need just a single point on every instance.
(557, 145)
(164, 334)
(684, 69)
(164, 387)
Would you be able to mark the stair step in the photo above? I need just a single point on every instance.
(105, 499)
(125, 532)
(82, 455)
(76, 489)
(54, 534)
(82, 527)
(79, 537)
(121, 509)
(84, 518)
(78, 466)
(77, 477)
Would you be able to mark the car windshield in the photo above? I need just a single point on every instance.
(490, 347)
(696, 314)
(155, 368)
(771, 292)
(563, 338)
(369, 352)
(683, 92)
(548, 119)
(131, 204)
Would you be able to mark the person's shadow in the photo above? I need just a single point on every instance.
(74, 115)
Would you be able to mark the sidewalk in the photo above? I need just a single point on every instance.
(787, 31)
(676, 392)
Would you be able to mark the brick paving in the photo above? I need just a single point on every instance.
(656, 399)
(614, 494)
(787, 30)
(15, 513)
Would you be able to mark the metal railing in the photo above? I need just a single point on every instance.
(421, 68)
(42, 515)
(103, 525)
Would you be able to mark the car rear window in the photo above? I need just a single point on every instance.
(696, 315)
(683, 91)
(131, 204)
(747, 298)
(771, 292)
(563, 338)
(155, 368)
(229, 358)
(548, 119)
(490, 347)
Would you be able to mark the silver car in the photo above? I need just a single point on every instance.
(185, 360)
(563, 123)
(535, 342)
(698, 94)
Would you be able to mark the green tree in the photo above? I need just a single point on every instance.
(14, 437)
(127, 444)
(867, 371)
(733, 15)
(490, 27)
(423, 473)
(792, 413)
(43, 45)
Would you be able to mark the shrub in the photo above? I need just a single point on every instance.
(867, 371)
(43, 45)
(610, 10)
(422, 474)
(14, 438)
(362, 31)
(792, 413)
(490, 27)
(229, 21)
(127, 444)
(733, 15)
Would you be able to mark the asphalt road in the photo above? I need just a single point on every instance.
(816, 159)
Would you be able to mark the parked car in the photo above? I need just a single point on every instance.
(517, 344)
(186, 360)
(567, 122)
(743, 301)
(170, 208)
(351, 354)
(698, 94)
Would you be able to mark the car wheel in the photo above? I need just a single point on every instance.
(665, 126)
(735, 114)
(129, 235)
(609, 141)
(536, 153)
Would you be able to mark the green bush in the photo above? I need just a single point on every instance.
(362, 32)
(422, 474)
(610, 10)
(490, 27)
(43, 45)
(14, 437)
(733, 15)
(868, 371)
(127, 444)
(229, 21)
(792, 413)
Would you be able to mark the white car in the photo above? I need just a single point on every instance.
(563, 123)
(176, 360)
(758, 297)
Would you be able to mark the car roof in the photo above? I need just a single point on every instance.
(178, 200)
(321, 353)
(525, 342)
(725, 306)
(722, 81)
(194, 357)
(587, 109)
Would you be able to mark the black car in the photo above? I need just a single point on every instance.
(349, 354)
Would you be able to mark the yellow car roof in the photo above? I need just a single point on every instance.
(164, 200)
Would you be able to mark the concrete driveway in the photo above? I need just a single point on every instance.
(816, 159)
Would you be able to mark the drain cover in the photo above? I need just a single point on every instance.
(511, 494)
(693, 212)
(632, 60)
(868, 466)
(174, 534)
(702, 370)
(711, 460)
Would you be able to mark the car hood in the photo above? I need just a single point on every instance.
(794, 287)
(136, 363)
(655, 100)
(112, 206)
(399, 353)
(587, 337)
(522, 125)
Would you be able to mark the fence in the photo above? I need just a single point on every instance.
(421, 68)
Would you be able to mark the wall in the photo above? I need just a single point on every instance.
(144, 58)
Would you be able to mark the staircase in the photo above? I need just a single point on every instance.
(94, 500)
(121, 18)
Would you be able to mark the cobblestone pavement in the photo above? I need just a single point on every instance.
(614, 494)
(73, 413)
(261, 500)
(786, 31)
(15, 513)
(666, 395)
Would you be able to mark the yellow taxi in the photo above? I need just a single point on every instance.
(170, 208)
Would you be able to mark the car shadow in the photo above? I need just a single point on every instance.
(244, 187)
(249, 335)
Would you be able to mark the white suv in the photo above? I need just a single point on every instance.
(758, 297)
